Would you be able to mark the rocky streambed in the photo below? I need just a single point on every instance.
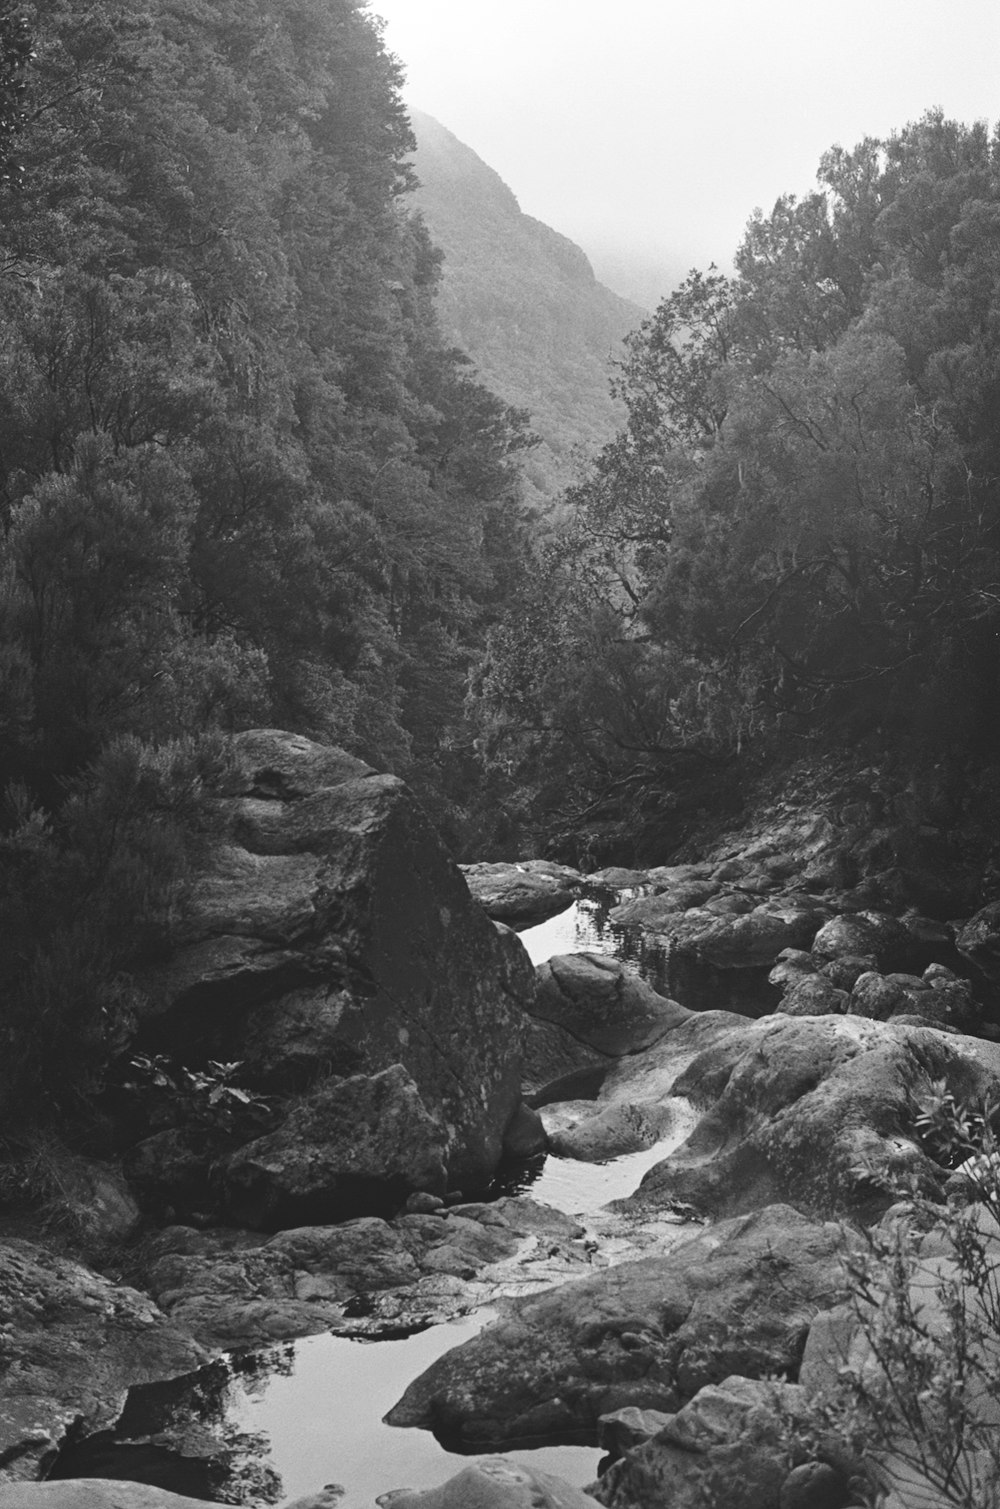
(720, 1089)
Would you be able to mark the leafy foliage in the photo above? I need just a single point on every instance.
(795, 534)
(243, 478)
(915, 1391)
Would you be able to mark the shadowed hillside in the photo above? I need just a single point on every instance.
(523, 301)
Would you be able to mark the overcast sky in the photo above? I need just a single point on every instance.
(655, 127)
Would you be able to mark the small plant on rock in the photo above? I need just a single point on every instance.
(208, 1096)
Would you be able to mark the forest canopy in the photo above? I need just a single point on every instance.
(796, 535)
(243, 479)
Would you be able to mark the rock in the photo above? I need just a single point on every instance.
(813, 995)
(626, 1428)
(978, 940)
(814, 1485)
(525, 1134)
(847, 969)
(588, 1011)
(352, 1147)
(792, 966)
(524, 892)
(237, 1289)
(284, 766)
(604, 1005)
(652, 912)
(648, 1333)
(93, 1493)
(730, 1435)
(328, 932)
(816, 1111)
(71, 1345)
(174, 1168)
(421, 1203)
(875, 997)
(493, 1483)
(847, 935)
(616, 878)
(724, 961)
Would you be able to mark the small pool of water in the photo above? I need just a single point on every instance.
(586, 928)
(320, 1412)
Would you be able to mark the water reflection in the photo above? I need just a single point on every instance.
(586, 928)
(323, 1416)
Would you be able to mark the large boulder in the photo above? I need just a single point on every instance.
(733, 1433)
(979, 941)
(72, 1343)
(92, 1493)
(233, 1288)
(354, 1145)
(603, 1004)
(523, 892)
(818, 1111)
(735, 1298)
(492, 1484)
(327, 932)
(588, 1011)
(723, 959)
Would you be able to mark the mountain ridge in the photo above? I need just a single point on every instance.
(524, 302)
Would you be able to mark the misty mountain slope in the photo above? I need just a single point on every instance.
(523, 301)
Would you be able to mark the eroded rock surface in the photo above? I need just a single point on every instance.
(329, 933)
(71, 1345)
(234, 1288)
(737, 1297)
(817, 1111)
(523, 892)
(494, 1484)
(588, 1011)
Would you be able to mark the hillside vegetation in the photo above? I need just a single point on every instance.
(523, 301)
(794, 539)
(243, 477)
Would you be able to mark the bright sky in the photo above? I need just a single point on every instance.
(657, 126)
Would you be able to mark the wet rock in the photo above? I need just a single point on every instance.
(328, 932)
(353, 1145)
(813, 1110)
(71, 1345)
(649, 1333)
(525, 892)
(723, 961)
(653, 912)
(234, 1288)
(730, 1434)
(493, 1484)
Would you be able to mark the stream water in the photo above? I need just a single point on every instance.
(309, 1413)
